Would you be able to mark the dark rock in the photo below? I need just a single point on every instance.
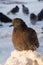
(1, 25)
(42, 30)
(40, 0)
(4, 18)
(40, 15)
(14, 10)
(25, 9)
(33, 18)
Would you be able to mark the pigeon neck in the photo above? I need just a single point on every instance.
(21, 28)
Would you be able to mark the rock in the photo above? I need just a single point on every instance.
(40, 0)
(24, 58)
(1, 25)
(33, 18)
(40, 15)
(4, 18)
(14, 10)
(25, 9)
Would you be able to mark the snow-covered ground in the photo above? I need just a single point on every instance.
(6, 45)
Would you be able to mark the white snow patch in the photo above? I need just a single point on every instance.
(24, 58)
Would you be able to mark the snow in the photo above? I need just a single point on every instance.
(24, 58)
(6, 45)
